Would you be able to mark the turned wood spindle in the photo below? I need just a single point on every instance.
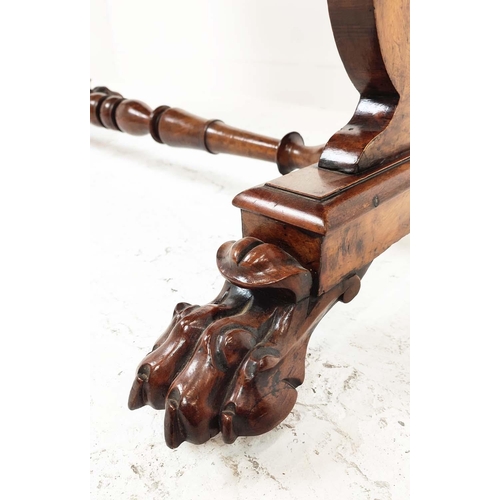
(178, 128)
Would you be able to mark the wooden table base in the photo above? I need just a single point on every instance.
(233, 366)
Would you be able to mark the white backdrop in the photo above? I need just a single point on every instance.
(177, 52)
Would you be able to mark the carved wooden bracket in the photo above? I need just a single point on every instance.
(373, 39)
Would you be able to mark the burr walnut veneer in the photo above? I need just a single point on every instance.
(233, 365)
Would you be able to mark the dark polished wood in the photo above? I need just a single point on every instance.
(373, 40)
(337, 233)
(233, 366)
(178, 128)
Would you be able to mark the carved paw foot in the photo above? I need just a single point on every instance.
(233, 365)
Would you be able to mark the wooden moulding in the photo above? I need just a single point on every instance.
(332, 223)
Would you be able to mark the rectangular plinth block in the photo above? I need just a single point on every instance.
(334, 225)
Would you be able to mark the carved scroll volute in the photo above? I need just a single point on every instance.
(373, 40)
